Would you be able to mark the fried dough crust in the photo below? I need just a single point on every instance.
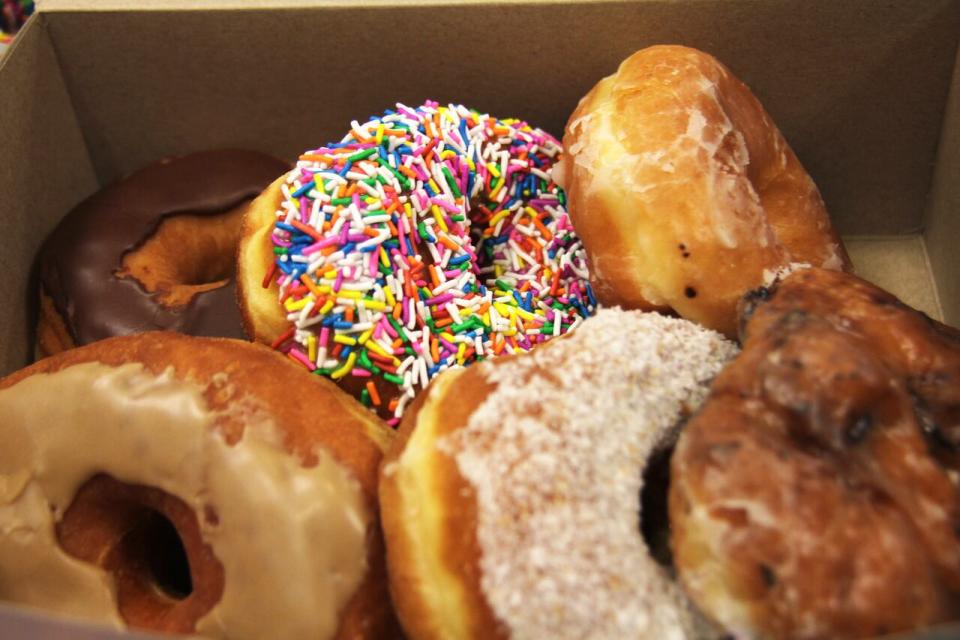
(815, 494)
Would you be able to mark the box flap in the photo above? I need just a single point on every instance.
(942, 231)
(46, 170)
(860, 95)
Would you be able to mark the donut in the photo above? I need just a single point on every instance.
(511, 496)
(684, 191)
(191, 485)
(815, 494)
(155, 250)
(426, 238)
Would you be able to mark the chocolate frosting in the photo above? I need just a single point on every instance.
(79, 260)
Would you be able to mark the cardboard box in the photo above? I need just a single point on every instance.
(867, 92)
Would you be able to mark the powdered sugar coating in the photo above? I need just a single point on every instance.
(556, 454)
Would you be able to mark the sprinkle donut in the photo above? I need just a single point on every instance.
(425, 238)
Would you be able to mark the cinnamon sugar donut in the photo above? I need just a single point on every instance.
(155, 250)
(684, 191)
(511, 496)
(177, 484)
(815, 495)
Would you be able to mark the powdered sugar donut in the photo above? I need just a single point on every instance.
(426, 238)
(510, 499)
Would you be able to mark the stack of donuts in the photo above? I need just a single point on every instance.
(450, 377)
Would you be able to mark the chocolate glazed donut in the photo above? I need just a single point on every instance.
(153, 251)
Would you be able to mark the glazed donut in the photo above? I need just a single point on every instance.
(510, 498)
(155, 250)
(191, 485)
(684, 191)
(815, 494)
(426, 238)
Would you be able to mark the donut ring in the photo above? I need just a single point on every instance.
(118, 452)
(155, 250)
(510, 498)
(815, 494)
(684, 191)
(426, 238)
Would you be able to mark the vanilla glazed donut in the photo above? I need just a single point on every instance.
(511, 497)
(191, 485)
(155, 250)
(815, 495)
(426, 238)
(684, 191)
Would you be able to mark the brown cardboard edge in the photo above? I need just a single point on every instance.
(23, 623)
(942, 217)
(45, 169)
(231, 5)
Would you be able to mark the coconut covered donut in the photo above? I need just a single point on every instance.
(815, 495)
(511, 497)
(426, 238)
(155, 250)
(176, 484)
(684, 191)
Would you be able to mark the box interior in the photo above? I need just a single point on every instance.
(46, 171)
(860, 89)
(867, 92)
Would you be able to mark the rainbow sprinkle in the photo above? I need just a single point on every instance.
(13, 15)
(426, 238)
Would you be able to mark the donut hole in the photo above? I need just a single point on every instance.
(482, 243)
(155, 546)
(214, 270)
(479, 222)
(654, 521)
(185, 255)
(149, 542)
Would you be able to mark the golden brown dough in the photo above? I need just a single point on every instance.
(263, 318)
(815, 494)
(684, 191)
(112, 522)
